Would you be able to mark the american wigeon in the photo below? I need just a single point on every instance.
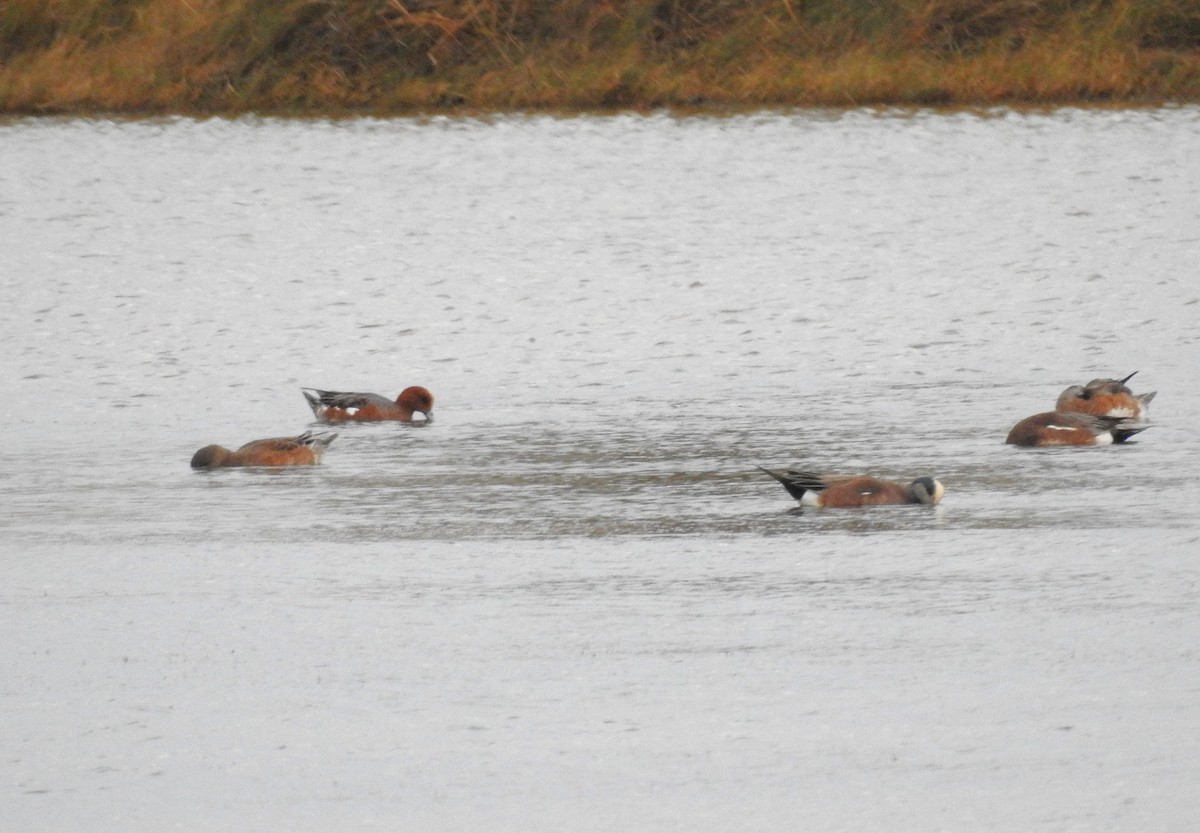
(1106, 398)
(335, 406)
(304, 450)
(841, 491)
(1064, 428)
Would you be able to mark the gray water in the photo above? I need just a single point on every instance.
(572, 603)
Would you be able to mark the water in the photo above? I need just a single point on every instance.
(572, 602)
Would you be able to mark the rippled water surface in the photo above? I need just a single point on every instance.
(572, 603)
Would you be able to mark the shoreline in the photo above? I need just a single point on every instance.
(999, 110)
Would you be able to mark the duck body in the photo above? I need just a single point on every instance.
(1064, 428)
(304, 450)
(849, 491)
(337, 406)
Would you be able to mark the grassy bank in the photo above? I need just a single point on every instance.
(400, 56)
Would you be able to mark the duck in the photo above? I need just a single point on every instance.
(1106, 398)
(336, 406)
(844, 491)
(1055, 428)
(304, 450)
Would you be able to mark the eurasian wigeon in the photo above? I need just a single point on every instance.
(1063, 428)
(842, 491)
(334, 406)
(304, 450)
(1106, 398)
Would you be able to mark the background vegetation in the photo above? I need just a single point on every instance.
(222, 56)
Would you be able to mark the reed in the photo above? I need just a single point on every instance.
(331, 56)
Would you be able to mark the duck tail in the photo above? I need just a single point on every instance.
(322, 439)
(796, 482)
(1126, 428)
(314, 402)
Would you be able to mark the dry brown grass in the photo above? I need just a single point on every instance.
(219, 56)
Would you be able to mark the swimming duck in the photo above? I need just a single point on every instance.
(839, 491)
(1065, 428)
(1106, 398)
(335, 406)
(304, 450)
